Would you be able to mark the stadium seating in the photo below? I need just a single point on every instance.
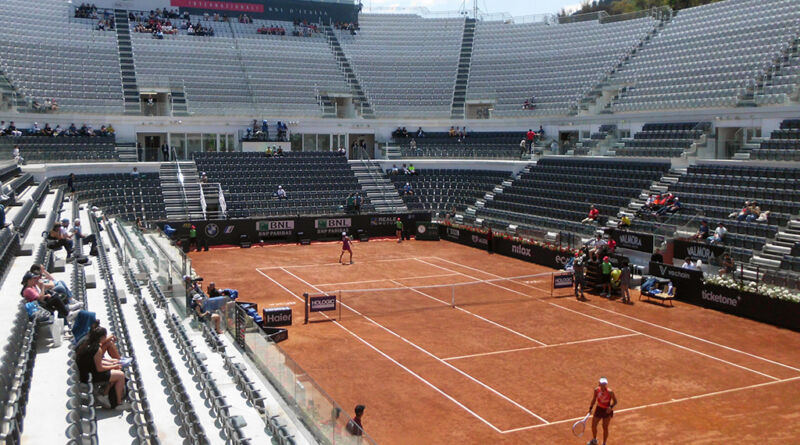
(441, 190)
(60, 149)
(47, 56)
(663, 140)
(556, 193)
(315, 182)
(783, 144)
(708, 56)
(554, 64)
(406, 64)
(484, 145)
(713, 192)
(122, 194)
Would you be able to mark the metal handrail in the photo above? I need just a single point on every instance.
(182, 185)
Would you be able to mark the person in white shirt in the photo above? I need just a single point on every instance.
(281, 193)
(17, 158)
(719, 234)
(689, 264)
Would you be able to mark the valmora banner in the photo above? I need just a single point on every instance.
(709, 253)
(641, 242)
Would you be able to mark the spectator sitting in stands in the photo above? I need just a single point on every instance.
(279, 152)
(611, 246)
(702, 231)
(203, 178)
(420, 133)
(31, 292)
(452, 132)
(394, 170)
(49, 285)
(462, 134)
(593, 214)
(90, 358)
(17, 156)
(55, 240)
(624, 222)
(728, 266)
(12, 130)
(691, 264)
(407, 190)
(741, 214)
(212, 291)
(357, 201)
(719, 234)
(198, 306)
(763, 217)
(753, 212)
(47, 131)
(58, 131)
(77, 232)
(3, 128)
(672, 208)
(36, 129)
(281, 193)
(411, 169)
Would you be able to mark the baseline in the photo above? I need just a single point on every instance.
(613, 324)
(694, 337)
(650, 405)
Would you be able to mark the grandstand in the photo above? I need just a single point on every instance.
(165, 144)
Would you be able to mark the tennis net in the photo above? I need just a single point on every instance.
(400, 298)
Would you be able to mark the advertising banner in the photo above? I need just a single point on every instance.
(277, 316)
(563, 280)
(427, 231)
(709, 253)
(283, 229)
(751, 305)
(687, 282)
(641, 242)
(322, 303)
(555, 258)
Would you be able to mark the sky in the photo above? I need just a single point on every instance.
(513, 7)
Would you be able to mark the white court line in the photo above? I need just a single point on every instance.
(294, 266)
(423, 350)
(403, 367)
(506, 351)
(614, 324)
(389, 279)
(650, 405)
(645, 322)
(474, 315)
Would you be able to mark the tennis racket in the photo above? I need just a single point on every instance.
(579, 426)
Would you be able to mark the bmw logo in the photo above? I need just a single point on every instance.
(212, 230)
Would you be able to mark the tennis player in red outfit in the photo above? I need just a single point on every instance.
(606, 400)
(346, 246)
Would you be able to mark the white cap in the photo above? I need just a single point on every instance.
(344, 233)
(603, 381)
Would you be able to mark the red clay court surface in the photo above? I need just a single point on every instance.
(514, 365)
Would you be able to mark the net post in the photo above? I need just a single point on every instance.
(305, 307)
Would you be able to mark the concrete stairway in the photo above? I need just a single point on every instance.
(181, 201)
(458, 107)
(126, 152)
(130, 88)
(379, 189)
(361, 100)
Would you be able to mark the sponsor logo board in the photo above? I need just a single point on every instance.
(720, 299)
(561, 281)
(276, 228)
(322, 303)
(277, 316)
(519, 249)
(212, 230)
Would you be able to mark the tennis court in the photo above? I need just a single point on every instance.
(442, 348)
